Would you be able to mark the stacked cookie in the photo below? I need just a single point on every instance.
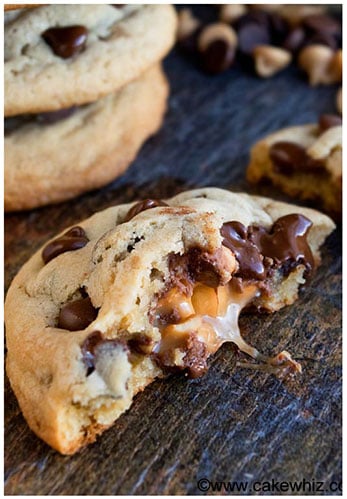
(84, 89)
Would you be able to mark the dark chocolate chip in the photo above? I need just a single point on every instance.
(77, 315)
(88, 350)
(294, 41)
(248, 255)
(146, 204)
(259, 17)
(250, 36)
(287, 156)
(279, 28)
(92, 344)
(327, 121)
(259, 250)
(140, 343)
(322, 39)
(72, 240)
(203, 268)
(194, 361)
(217, 57)
(321, 23)
(286, 241)
(67, 41)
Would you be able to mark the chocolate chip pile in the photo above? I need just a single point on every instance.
(266, 39)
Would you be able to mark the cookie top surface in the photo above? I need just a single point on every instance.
(57, 56)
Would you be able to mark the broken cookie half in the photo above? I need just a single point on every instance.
(304, 162)
(141, 290)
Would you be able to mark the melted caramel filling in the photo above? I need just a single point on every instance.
(212, 314)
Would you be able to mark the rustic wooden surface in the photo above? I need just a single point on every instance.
(233, 424)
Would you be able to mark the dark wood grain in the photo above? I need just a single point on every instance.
(232, 424)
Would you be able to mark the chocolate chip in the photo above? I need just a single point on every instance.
(92, 344)
(140, 343)
(322, 24)
(77, 315)
(247, 254)
(278, 28)
(289, 156)
(286, 156)
(72, 240)
(88, 350)
(146, 204)
(259, 250)
(67, 41)
(250, 36)
(194, 361)
(259, 17)
(203, 268)
(322, 39)
(294, 40)
(286, 242)
(217, 57)
(327, 121)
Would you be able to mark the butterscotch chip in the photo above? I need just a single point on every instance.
(153, 294)
(270, 60)
(322, 64)
(304, 161)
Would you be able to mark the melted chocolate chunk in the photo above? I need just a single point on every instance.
(195, 358)
(88, 350)
(327, 121)
(217, 57)
(67, 41)
(72, 240)
(289, 156)
(146, 204)
(322, 24)
(286, 242)
(77, 315)
(246, 252)
(140, 343)
(91, 345)
(258, 250)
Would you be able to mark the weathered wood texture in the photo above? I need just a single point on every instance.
(233, 424)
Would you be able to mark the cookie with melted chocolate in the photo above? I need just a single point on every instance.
(305, 162)
(141, 290)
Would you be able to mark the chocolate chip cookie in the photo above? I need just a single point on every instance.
(58, 56)
(304, 162)
(54, 156)
(144, 289)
